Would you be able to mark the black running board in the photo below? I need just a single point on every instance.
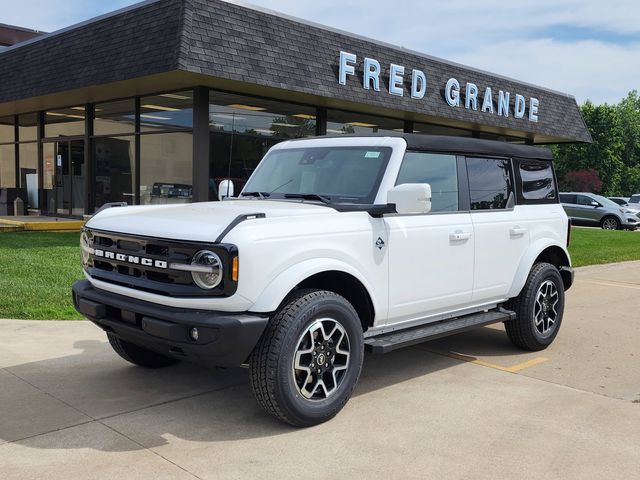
(388, 342)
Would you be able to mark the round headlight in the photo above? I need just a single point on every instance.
(210, 275)
(86, 247)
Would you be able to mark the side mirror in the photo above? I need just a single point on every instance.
(411, 197)
(595, 204)
(225, 189)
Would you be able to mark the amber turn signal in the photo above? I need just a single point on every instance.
(234, 269)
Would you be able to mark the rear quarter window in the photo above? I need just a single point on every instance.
(536, 182)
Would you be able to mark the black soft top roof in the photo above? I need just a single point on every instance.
(474, 146)
(465, 145)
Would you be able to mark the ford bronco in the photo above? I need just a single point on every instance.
(333, 247)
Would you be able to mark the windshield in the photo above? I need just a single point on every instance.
(605, 201)
(338, 174)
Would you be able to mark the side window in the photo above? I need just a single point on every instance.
(440, 171)
(567, 198)
(584, 200)
(537, 181)
(490, 185)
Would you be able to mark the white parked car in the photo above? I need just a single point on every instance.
(335, 246)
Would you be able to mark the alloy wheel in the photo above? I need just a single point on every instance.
(545, 310)
(610, 224)
(321, 359)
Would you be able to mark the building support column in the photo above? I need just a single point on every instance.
(200, 192)
(89, 161)
(408, 126)
(136, 154)
(16, 151)
(321, 121)
(40, 152)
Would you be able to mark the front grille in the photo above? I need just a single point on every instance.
(133, 262)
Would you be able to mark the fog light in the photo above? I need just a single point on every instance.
(193, 333)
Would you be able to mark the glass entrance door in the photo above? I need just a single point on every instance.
(69, 177)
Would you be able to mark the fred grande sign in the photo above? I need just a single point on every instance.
(455, 94)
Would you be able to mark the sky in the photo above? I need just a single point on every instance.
(587, 48)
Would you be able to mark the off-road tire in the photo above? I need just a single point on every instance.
(271, 363)
(138, 355)
(522, 330)
(609, 220)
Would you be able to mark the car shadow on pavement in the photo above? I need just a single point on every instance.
(489, 341)
(189, 402)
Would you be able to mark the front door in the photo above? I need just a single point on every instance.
(431, 256)
(69, 178)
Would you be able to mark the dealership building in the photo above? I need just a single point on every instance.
(157, 103)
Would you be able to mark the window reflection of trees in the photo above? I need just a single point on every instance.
(489, 187)
(537, 180)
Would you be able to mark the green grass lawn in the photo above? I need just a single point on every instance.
(592, 246)
(37, 269)
(36, 273)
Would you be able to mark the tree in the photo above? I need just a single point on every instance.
(615, 151)
(586, 180)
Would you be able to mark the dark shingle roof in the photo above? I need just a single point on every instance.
(233, 42)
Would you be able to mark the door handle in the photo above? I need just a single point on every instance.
(459, 235)
(517, 231)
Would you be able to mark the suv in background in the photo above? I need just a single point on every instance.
(336, 245)
(634, 199)
(585, 208)
(624, 202)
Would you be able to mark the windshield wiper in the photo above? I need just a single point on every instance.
(308, 196)
(262, 195)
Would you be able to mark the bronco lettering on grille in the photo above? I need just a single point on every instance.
(121, 257)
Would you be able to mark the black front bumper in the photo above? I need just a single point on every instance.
(224, 339)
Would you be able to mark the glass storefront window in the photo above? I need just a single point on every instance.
(114, 166)
(429, 129)
(115, 118)
(49, 165)
(166, 168)
(258, 116)
(7, 134)
(167, 111)
(341, 123)
(7, 166)
(28, 127)
(243, 128)
(64, 122)
(29, 171)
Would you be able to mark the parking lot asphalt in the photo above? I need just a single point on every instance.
(468, 406)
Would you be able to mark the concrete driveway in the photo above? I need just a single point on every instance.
(469, 406)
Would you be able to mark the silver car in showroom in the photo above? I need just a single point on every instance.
(590, 209)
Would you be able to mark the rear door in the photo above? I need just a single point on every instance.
(431, 255)
(501, 236)
(586, 210)
(569, 204)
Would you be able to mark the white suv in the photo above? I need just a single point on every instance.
(335, 245)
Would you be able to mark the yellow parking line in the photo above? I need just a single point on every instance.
(527, 364)
(470, 359)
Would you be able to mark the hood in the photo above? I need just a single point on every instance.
(201, 222)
